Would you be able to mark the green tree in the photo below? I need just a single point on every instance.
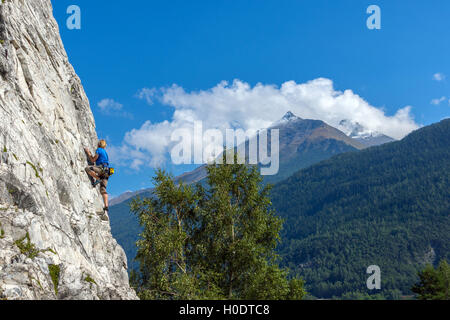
(213, 242)
(434, 283)
(163, 245)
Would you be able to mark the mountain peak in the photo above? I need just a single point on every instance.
(366, 136)
(289, 116)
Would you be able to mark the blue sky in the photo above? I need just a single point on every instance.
(123, 47)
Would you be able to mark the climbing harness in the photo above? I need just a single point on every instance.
(107, 170)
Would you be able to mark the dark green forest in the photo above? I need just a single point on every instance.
(434, 283)
(387, 205)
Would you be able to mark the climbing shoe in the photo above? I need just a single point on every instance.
(105, 216)
(96, 183)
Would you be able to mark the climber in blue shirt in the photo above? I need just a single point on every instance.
(102, 157)
(100, 172)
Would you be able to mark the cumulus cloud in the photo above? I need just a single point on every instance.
(111, 107)
(438, 76)
(109, 104)
(438, 101)
(147, 94)
(126, 155)
(239, 105)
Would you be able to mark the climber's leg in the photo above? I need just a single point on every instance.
(103, 185)
(105, 200)
(93, 172)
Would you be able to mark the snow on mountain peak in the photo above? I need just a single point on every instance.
(289, 116)
(354, 129)
(366, 136)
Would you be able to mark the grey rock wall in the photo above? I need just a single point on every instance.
(53, 244)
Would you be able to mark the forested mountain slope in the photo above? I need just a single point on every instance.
(387, 205)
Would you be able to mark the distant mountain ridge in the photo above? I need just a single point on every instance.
(304, 142)
(125, 196)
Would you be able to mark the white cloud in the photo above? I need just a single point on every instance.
(439, 76)
(147, 94)
(113, 108)
(109, 104)
(438, 101)
(240, 105)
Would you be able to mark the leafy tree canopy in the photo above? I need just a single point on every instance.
(211, 243)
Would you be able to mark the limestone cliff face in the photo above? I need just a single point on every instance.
(53, 244)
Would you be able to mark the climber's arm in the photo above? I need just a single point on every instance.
(91, 158)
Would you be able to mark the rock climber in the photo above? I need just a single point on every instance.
(100, 172)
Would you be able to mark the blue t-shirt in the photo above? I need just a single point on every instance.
(102, 157)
